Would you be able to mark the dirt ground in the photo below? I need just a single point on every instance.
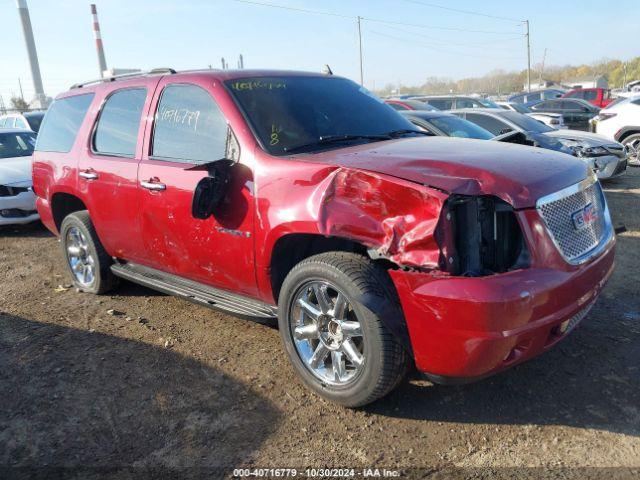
(171, 388)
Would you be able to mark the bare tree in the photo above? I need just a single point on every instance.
(19, 104)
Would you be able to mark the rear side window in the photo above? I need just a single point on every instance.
(9, 122)
(440, 103)
(21, 123)
(117, 129)
(62, 122)
(590, 95)
(189, 126)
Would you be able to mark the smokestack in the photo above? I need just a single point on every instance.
(23, 11)
(102, 63)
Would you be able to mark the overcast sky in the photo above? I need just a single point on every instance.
(196, 33)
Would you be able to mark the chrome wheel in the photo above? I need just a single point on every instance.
(633, 150)
(327, 334)
(80, 259)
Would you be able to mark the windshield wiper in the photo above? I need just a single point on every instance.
(398, 133)
(329, 139)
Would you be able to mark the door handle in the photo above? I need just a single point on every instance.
(152, 185)
(88, 174)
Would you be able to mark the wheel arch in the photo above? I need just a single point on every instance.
(63, 204)
(625, 132)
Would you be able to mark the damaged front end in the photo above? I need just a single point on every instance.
(422, 228)
(480, 235)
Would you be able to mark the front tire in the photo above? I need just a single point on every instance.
(330, 318)
(634, 142)
(86, 259)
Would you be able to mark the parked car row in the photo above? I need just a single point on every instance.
(377, 243)
(28, 120)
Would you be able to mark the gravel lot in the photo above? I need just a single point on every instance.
(117, 385)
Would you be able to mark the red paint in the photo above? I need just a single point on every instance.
(386, 196)
(602, 95)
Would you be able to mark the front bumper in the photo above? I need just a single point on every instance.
(466, 327)
(610, 166)
(18, 209)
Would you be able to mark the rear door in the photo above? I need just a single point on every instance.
(189, 130)
(107, 170)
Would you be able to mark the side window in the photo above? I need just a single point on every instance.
(576, 94)
(465, 103)
(569, 105)
(590, 95)
(441, 103)
(533, 97)
(189, 126)
(119, 121)
(9, 123)
(21, 123)
(494, 125)
(62, 122)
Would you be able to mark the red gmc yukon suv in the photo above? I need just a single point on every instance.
(304, 197)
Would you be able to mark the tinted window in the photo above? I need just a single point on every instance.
(526, 123)
(440, 103)
(459, 127)
(493, 125)
(189, 126)
(16, 145)
(62, 122)
(590, 95)
(309, 113)
(569, 105)
(532, 97)
(117, 130)
(466, 103)
(34, 119)
(576, 94)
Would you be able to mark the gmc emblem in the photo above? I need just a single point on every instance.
(584, 217)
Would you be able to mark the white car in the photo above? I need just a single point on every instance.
(17, 200)
(620, 121)
(553, 120)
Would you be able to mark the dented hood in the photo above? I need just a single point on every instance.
(517, 174)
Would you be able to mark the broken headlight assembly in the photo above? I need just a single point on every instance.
(480, 235)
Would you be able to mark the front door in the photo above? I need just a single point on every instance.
(107, 169)
(189, 131)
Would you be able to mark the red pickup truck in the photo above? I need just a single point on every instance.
(304, 197)
(600, 97)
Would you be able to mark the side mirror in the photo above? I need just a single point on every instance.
(211, 189)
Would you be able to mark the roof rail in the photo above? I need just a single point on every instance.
(113, 78)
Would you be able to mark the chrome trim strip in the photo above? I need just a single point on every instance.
(607, 234)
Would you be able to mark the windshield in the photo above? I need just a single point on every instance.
(295, 113)
(16, 144)
(525, 122)
(34, 119)
(458, 127)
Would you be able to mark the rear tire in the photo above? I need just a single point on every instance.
(330, 319)
(85, 257)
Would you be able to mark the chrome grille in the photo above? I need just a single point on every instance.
(558, 211)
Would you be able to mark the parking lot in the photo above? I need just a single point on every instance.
(139, 379)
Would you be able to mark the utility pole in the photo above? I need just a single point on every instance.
(528, 57)
(360, 44)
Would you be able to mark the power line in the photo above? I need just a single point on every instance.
(468, 12)
(445, 43)
(370, 19)
(437, 48)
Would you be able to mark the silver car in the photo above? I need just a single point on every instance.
(17, 200)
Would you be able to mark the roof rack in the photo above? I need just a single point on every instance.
(113, 78)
